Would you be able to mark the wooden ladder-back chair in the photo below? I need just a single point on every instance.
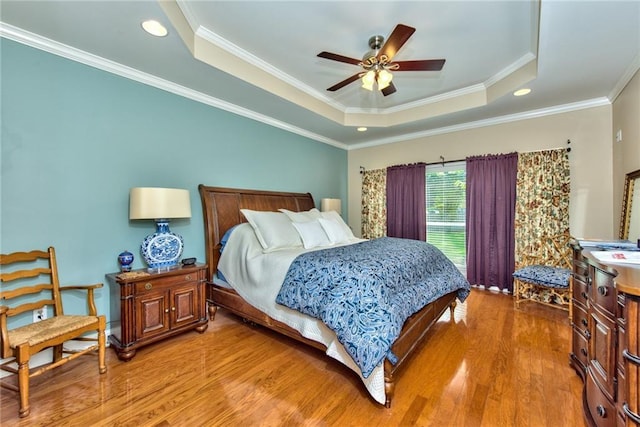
(544, 276)
(21, 289)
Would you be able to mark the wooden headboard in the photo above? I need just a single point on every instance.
(221, 211)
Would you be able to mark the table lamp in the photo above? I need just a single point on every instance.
(163, 248)
(327, 205)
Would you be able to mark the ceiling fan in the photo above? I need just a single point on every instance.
(378, 63)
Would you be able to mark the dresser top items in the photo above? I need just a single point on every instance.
(620, 257)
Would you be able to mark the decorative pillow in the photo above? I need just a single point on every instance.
(312, 234)
(306, 216)
(335, 216)
(274, 230)
(553, 277)
(334, 230)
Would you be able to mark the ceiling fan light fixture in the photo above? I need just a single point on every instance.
(384, 79)
(368, 79)
(377, 64)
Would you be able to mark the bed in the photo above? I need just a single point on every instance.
(222, 211)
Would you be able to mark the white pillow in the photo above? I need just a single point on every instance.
(273, 229)
(312, 234)
(335, 216)
(334, 231)
(307, 216)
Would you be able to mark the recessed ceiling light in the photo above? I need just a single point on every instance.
(154, 28)
(362, 129)
(522, 92)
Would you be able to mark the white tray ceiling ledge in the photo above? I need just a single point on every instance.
(207, 47)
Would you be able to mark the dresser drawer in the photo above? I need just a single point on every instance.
(580, 346)
(602, 410)
(603, 292)
(166, 282)
(580, 320)
(580, 291)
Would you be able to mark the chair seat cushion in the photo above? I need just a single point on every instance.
(544, 275)
(58, 326)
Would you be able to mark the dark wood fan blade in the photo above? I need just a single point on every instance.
(344, 83)
(421, 65)
(389, 89)
(339, 58)
(396, 40)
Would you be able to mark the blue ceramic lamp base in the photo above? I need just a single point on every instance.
(162, 249)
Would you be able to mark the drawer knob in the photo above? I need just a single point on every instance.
(602, 290)
(166, 310)
(584, 322)
(187, 277)
(148, 286)
(584, 352)
(601, 411)
(584, 295)
(173, 309)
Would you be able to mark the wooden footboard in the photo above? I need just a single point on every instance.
(413, 333)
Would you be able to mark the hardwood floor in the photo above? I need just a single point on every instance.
(490, 366)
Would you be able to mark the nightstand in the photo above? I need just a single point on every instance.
(147, 307)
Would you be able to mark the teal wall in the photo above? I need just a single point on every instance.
(75, 139)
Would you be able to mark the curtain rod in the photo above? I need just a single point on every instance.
(441, 162)
(444, 162)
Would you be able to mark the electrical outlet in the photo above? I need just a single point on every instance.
(39, 314)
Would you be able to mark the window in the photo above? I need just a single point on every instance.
(446, 207)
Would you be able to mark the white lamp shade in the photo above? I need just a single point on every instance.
(327, 205)
(159, 203)
(368, 80)
(384, 79)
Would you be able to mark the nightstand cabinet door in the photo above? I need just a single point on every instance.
(184, 308)
(152, 314)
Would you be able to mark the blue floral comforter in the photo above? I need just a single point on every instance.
(366, 291)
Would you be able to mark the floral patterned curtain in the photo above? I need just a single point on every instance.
(374, 203)
(542, 203)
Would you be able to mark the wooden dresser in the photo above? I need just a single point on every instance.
(605, 347)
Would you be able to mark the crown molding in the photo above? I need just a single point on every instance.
(42, 43)
(533, 114)
(626, 78)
